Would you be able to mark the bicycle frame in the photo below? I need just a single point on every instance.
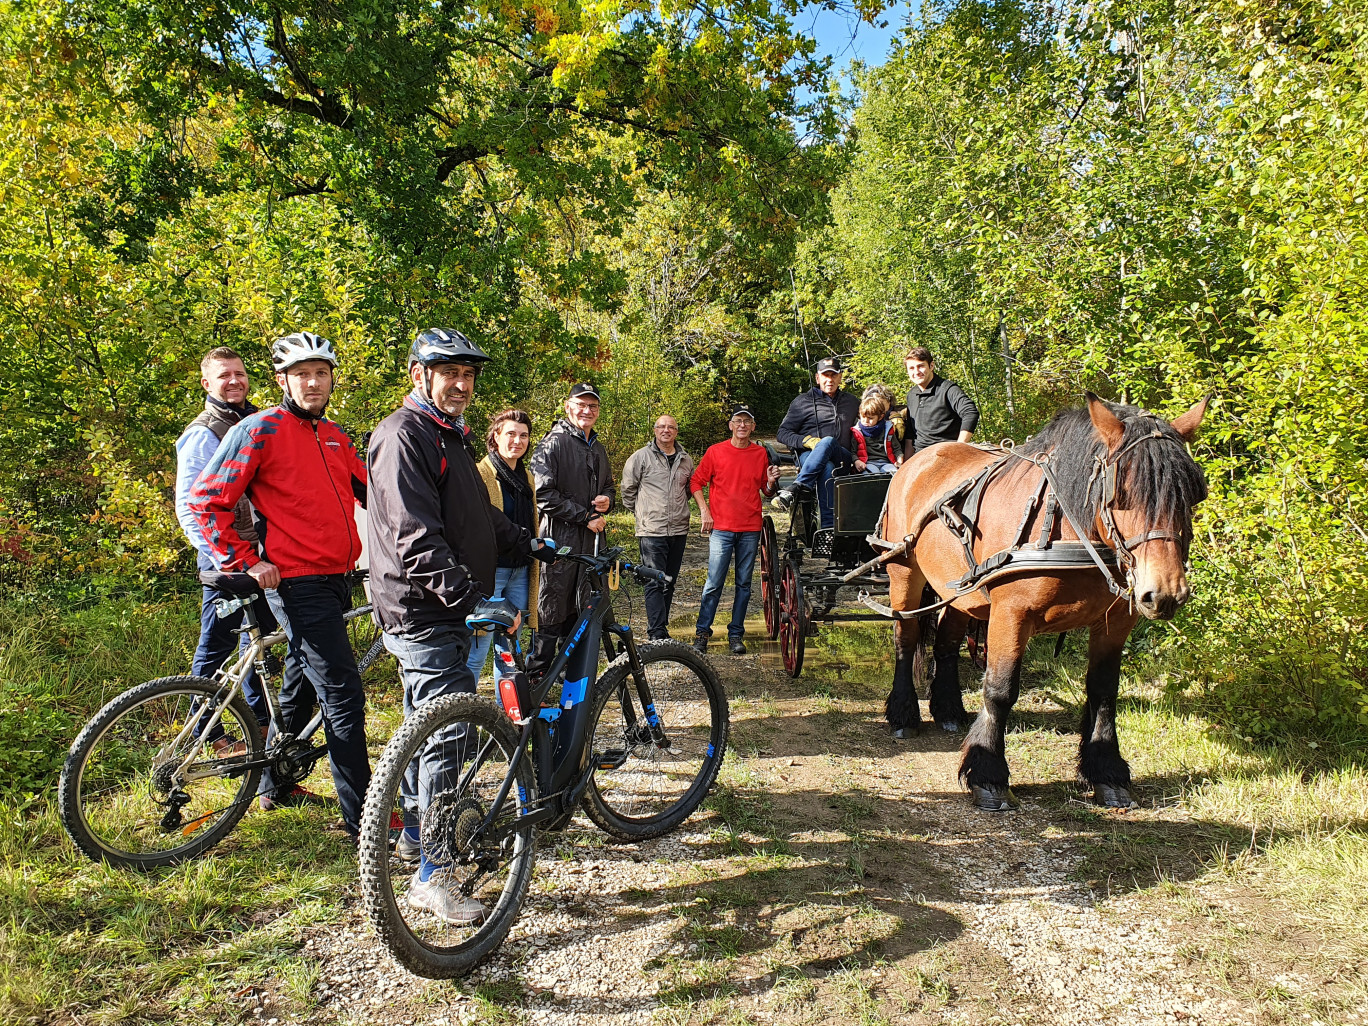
(230, 677)
(564, 772)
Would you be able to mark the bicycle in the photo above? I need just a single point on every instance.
(165, 770)
(640, 750)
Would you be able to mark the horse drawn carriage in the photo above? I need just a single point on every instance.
(804, 569)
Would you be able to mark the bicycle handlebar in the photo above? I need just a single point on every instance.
(603, 562)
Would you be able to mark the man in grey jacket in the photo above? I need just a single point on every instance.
(574, 491)
(655, 488)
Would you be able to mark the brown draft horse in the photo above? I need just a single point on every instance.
(1118, 474)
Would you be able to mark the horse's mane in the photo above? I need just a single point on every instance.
(1156, 477)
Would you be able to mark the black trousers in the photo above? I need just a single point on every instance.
(666, 554)
(322, 669)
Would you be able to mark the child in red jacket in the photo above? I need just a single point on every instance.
(876, 441)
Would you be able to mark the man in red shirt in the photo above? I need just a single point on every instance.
(736, 473)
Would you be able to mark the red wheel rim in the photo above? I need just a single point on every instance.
(792, 627)
(769, 591)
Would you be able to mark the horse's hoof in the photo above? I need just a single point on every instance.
(1113, 796)
(950, 726)
(994, 798)
(905, 733)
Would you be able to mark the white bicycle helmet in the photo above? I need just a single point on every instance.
(301, 346)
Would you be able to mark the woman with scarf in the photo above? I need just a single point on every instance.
(510, 490)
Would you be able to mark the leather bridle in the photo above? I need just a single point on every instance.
(1104, 467)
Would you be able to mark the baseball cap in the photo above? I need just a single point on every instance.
(582, 389)
(742, 409)
(831, 363)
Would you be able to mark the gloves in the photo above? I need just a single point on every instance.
(544, 549)
(810, 442)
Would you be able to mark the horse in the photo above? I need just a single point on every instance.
(1108, 544)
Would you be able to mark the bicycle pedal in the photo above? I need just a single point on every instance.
(612, 759)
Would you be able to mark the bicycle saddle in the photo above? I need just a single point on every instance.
(492, 615)
(240, 585)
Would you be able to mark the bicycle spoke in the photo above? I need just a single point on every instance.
(142, 789)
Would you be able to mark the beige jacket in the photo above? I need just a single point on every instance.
(491, 480)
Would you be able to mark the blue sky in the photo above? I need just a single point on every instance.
(844, 37)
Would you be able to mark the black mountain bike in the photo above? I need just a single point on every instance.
(639, 746)
(164, 771)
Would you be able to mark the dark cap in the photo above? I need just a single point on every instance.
(742, 410)
(584, 388)
(831, 363)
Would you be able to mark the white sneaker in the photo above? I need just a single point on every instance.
(446, 904)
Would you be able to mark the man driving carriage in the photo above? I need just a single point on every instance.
(817, 427)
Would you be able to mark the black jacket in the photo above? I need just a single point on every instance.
(568, 470)
(434, 539)
(938, 414)
(813, 415)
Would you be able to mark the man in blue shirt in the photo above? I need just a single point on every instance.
(224, 379)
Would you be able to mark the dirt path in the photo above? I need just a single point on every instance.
(840, 876)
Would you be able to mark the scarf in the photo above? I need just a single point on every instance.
(420, 402)
(228, 411)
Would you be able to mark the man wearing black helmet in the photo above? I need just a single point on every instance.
(434, 543)
(304, 479)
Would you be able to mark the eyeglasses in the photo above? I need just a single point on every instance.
(586, 407)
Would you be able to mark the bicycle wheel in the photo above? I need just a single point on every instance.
(455, 749)
(644, 788)
(142, 789)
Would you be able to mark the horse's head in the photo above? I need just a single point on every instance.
(1149, 485)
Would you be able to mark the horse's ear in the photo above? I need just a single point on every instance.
(1108, 426)
(1187, 424)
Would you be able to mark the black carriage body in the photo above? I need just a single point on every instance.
(859, 502)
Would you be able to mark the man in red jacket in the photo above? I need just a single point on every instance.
(736, 473)
(304, 479)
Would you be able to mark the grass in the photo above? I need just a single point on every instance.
(1257, 854)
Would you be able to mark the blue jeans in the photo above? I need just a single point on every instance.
(433, 662)
(217, 642)
(880, 467)
(512, 583)
(722, 547)
(320, 658)
(815, 467)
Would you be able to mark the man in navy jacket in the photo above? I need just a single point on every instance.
(816, 427)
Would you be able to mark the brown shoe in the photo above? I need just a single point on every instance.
(226, 749)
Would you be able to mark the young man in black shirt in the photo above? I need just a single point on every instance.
(937, 410)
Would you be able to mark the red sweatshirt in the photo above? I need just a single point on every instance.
(736, 478)
(304, 480)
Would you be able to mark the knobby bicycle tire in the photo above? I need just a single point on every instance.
(114, 795)
(642, 790)
(421, 941)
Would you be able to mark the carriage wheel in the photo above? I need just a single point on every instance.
(769, 577)
(976, 643)
(792, 618)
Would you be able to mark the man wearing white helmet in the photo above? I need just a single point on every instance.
(304, 478)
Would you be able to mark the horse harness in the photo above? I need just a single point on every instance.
(958, 510)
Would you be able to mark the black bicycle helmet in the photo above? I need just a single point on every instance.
(445, 345)
(301, 346)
